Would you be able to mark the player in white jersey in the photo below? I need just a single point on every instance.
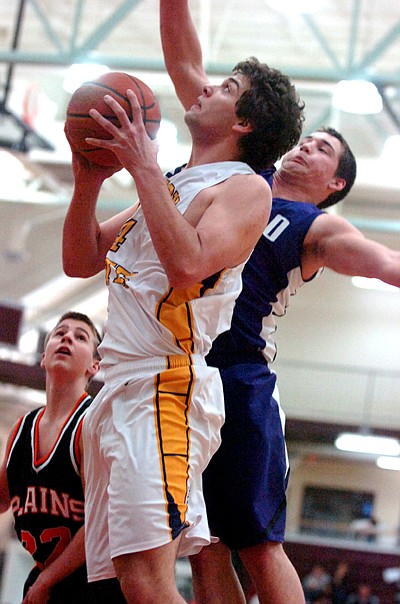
(156, 422)
(160, 364)
(159, 319)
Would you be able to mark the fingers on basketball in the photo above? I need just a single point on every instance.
(79, 125)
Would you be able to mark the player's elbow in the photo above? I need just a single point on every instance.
(182, 278)
(74, 268)
(181, 281)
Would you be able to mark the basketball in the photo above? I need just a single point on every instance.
(90, 95)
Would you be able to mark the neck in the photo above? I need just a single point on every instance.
(292, 189)
(61, 396)
(198, 159)
(205, 151)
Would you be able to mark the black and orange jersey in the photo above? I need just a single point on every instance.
(46, 493)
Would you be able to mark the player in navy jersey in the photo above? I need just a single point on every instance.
(40, 476)
(245, 482)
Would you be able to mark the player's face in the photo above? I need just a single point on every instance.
(215, 108)
(316, 157)
(70, 348)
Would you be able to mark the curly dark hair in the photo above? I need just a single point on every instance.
(347, 169)
(274, 110)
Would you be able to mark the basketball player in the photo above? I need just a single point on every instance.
(245, 482)
(40, 476)
(173, 270)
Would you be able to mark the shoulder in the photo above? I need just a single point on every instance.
(248, 186)
(329, 224)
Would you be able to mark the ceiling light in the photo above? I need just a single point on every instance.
(82, 72)
(388, 463)
(372, 283)
(391, 149)
(367, 443)
(357, 96)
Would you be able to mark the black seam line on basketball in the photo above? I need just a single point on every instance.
(108, 88)
(136, 84)
(110, 118)
(142, 106)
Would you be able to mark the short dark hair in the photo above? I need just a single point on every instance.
(78, 316)
(274, 110)
(347, 169)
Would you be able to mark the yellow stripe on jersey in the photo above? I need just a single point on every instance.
(173, 392)
(175, 312)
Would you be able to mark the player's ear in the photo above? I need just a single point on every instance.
(243, 126)
(93, 369)
(337, 184)
(42, 364)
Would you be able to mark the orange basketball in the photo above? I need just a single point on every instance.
(90, 95)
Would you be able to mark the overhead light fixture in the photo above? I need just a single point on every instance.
(357, 96)
(388, 463)
(374, 284)
(391, 149)
(367, 443)
(82, 72)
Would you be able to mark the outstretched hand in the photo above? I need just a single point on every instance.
(130, 142)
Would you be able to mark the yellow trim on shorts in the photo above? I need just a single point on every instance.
(172, 399)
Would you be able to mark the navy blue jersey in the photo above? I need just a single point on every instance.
(271, 276)
(46, 493)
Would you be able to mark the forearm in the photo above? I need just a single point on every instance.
(182, 50)
(80, 247)
(174, 238)
(72, 558)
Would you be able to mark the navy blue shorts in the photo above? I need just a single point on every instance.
(246, 479)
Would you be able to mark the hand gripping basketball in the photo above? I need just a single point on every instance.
(79, 124)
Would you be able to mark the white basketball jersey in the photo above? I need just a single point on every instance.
(146, 316)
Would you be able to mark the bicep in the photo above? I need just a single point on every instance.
(344, 249)
(233, 223)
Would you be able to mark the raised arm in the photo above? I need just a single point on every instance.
(85, 240)
(333, 242)
(182, 50)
